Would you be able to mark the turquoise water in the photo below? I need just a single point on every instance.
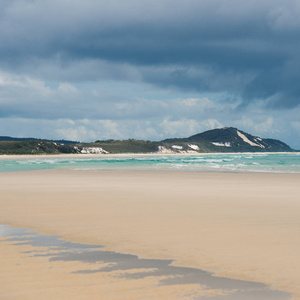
(262, 162)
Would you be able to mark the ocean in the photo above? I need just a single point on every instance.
(233, 162)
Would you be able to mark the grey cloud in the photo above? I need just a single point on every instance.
(272, 125)
(66, 101)
(87, 70)
(243, 48)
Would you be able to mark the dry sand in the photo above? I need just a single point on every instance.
(190, 153)
(243, 226)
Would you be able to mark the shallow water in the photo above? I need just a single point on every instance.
(234, 162)
(171, 275)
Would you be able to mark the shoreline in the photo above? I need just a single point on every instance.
(80, 155)
(241, 226)
(246, 162)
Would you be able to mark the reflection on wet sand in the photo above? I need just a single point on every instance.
(132, 267)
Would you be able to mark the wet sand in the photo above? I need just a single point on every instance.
(242, 226)
(131, 267)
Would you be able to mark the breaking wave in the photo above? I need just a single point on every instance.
(262, 162)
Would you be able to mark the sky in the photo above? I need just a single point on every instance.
(90, 70)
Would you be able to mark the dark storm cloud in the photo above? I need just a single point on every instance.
(250, 50)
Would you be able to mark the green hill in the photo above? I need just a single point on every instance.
(35, 147)
(227, 139)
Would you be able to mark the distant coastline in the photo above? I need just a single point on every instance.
(222, 140)
(81, 155)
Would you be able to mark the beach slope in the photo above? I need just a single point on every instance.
(243, 226)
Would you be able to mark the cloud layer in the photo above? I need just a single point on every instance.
(133, 63)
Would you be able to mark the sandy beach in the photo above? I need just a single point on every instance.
(41, 156)
(242, 226)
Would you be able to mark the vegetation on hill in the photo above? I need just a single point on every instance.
(226, 139)
(125, 146)
(14, 139)
(35, 147)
